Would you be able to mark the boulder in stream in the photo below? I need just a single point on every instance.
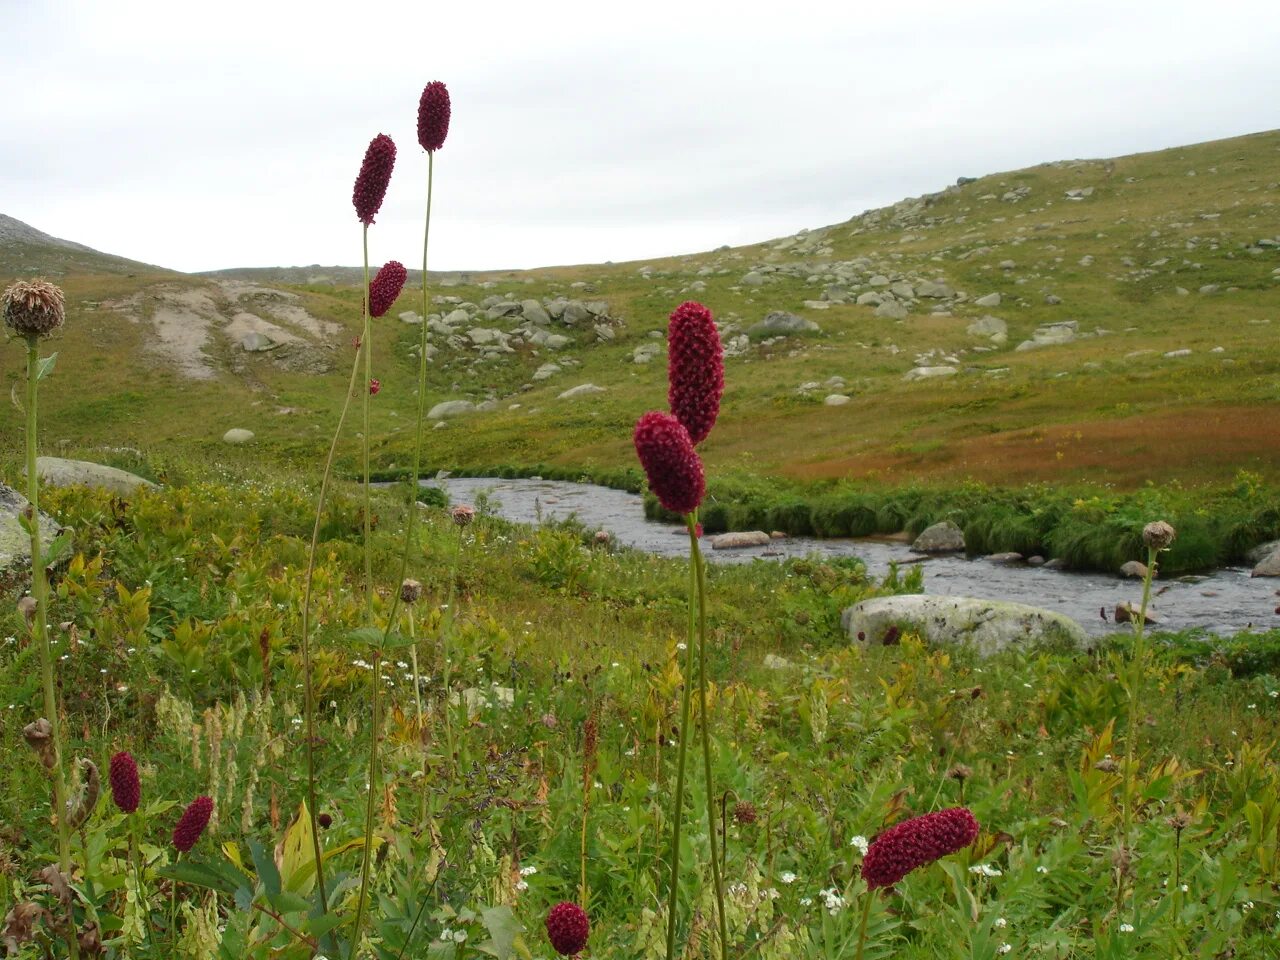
(987, 625)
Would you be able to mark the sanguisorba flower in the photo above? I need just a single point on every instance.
(33, 308)
(126, 789)
(375, 174)
(194, 819)
(915, 843)
(433, 116)
(568, 928)
(386, 286)
(695, 369)
(375, 385)
(673, 467)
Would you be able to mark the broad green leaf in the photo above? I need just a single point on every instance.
(296, 848)
(503, 929)
(45, 365)
(268, 875)
(201, 875)
(370, 636)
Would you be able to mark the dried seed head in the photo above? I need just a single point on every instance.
(674, 470)
(27, 606)
(192, 823)
(375, 174)
(33, 308)
(1179, 821)
(410, 591)
(463, 514)
(1158, 535)
(81, 805)
(433, 116)
(568, 928)
(695, 369)
(1106, 765)
(744, 812)
(915, 843)
(39, 737)
(601, 538)
(126, 788)
(960, 772)
(549, 721)
(386, 286)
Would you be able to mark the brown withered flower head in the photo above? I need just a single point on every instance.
(39, 737)
(463, 514)
(33, 308)
(744, 812)
(1158, 535)
(410, 591)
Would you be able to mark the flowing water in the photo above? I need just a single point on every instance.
(1222, 601)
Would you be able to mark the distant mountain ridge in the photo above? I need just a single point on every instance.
(24, 250)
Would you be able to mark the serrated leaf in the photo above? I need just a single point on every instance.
(503, 928)
(45, 365)
(395, 641)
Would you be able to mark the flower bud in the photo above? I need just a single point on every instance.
(433, 116)
(33, 308)
(695, 369)
(410, 591)
(386, 286)
(568, 928)
(674, 470)
(915, 843)
(192, 823)
(375, 174)
(126, 789)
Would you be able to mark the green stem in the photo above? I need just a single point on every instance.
(1135, 698)
(366, 344)
(39, 626)
(309, 702)
(695, 557)
(446, 630)
(862, 924)
(677, 803)
(368, 810)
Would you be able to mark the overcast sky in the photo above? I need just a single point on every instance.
(223, 134)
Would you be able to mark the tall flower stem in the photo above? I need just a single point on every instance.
(677, 802)
(39, 626)
(446, 632)
(699, 567)
(1135, 697)
(367, 344)
(862, 923)
(308, 687)
(375, 734)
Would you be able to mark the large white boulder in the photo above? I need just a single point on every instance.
(987, 625)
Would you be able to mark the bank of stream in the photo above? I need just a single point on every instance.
(1222, 602)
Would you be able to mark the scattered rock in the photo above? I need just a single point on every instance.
(944, 537)
(237, 435)
(891, 310)
(779, 322)
(752, 279)
(450, 408)
(15, 542)
(1268, 566)
(535, 312)
(57, 472)
(1127, 612)
(774, 662)
(1051, 334)
(1133, 568)
(1005, 559)
(582, 390)
(990, 300)
(739, 539)
(987, 326)
(545, 371)
(934, 289)
(987, 625)
(928, 373)
(835, 400)
(255, 342)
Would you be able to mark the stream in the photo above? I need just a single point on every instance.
(1223, 602)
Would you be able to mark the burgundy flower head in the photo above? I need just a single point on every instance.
(695, 369)
(126, 790)
(374, 386)
(194, 819)
(568, 928)
(375, 174)
(386, 286)
(674, 469)
(433, 116)
(915, 843)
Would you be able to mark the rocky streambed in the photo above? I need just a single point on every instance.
(1221, 601)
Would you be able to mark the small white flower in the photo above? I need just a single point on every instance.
(528, 871)
(1000, 923)
(986, 870)
(682, 646)
(1126, 928)
(1004, 948)
(861, 843)
(521, 886)
(806, 901)
(787, 877)
(1042, 869)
